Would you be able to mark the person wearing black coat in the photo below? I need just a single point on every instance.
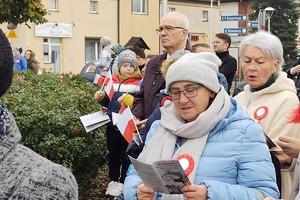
(229, 64)
(294, 70)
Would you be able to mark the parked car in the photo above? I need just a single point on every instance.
(90, 70)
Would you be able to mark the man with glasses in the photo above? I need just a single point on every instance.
(229, 64)
(173, 34)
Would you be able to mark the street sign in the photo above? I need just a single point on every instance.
(253, 24)
(11, 34)
(234, 18)
(235, 30)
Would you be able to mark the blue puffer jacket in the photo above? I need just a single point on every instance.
(235, 164)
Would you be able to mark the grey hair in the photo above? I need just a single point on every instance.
(105, 41)
(181, 19)
(268, 43)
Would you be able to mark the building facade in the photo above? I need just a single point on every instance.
(72, 34)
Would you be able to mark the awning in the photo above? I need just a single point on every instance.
(137, 41)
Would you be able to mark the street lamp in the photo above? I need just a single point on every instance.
(269, 12)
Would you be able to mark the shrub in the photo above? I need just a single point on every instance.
(47, 110)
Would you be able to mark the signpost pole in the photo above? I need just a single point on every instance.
(211, 21)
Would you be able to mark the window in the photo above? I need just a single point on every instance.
(49, 44)
(139, 6)
(204, 15)
(53, 5)
(93, 7)
(91, 49)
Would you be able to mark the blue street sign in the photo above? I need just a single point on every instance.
(253, 24)
(234, 18)
(235, 30)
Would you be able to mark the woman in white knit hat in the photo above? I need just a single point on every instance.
(23, 173)
(209, 128)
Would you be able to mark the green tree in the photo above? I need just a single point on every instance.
(21, 11)
(284, 23)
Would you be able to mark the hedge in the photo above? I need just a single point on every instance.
(47, 110)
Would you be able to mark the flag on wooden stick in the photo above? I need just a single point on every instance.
(99, 80)
(109, 89)
(122, 108)
(127, 127)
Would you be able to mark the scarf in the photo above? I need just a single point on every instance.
(161, 146)
(269, 82)
(4, 120)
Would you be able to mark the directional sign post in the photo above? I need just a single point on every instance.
(235, 30)
(253, 24)
(234, 18)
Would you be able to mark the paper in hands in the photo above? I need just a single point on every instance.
(94, 120)
(165, 176)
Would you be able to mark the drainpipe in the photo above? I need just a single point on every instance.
(164, 5)
(118, 21)
(211, 25)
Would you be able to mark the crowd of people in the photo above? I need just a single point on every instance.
(241, 147)
(265, 105)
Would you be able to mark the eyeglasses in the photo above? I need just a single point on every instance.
(167, 28)
(189, 92)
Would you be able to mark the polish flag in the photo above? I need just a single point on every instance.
(99, 80)
(109, 89)
(90, 68)
(122, 108)
(126, 125)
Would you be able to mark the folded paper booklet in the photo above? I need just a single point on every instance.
(165, 176)
(94, 120)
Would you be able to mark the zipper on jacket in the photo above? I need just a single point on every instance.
(154, 81)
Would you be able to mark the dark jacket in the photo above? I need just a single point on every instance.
(145, 100)
(228, 67)
(33, 65)
(288, 71)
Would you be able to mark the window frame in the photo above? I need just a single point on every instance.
(96, 52)
(143, 4)
(95, 3)
(48, 42)
(51, 2)
(205, 15)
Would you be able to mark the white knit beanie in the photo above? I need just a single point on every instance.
(127, 56)
(200, 68)
(105, 41)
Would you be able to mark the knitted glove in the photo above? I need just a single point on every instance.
(128, 100)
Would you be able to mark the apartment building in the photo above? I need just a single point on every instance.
(71, 36)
